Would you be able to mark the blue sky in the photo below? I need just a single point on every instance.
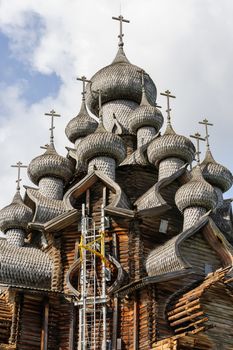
(186, 46)
(35, 86)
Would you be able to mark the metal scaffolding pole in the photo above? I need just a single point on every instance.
(93, 299)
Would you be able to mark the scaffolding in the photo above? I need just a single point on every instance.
(93, 301)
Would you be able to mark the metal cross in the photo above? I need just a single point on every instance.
(206, 123)
(52, 114)
(84, 80)
(198, 138)
(18, 165)
(167, 93)
(121, 20)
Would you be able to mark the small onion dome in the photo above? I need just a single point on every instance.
(171, 145)
(81, 125)
(102, 143)
(215, 173)
(15, 215)
(119, 80)
(145, 115)
(196, 193)
(50, 164)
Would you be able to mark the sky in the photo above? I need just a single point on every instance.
(185, 45)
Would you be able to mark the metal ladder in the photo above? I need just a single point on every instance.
(93, 302)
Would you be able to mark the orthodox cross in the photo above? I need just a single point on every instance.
(84, 80)
(206, 123)
(198, 138)
(121, 19)
(167, 93)
(52, 114)
(18, 165)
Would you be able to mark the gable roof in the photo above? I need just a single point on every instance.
(167, 257)
(119, 206)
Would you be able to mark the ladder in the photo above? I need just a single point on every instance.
(92, 284)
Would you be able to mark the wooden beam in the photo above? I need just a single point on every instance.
(72, 327)
(135, 323)
(44, 332)
(115, 324)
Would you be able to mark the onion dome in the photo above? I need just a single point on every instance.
(119, 80)
(102, 143)
(196, 193)
(145, 114)
(215, 173)
(50, 164)
(81, 125)
(171, 145)
(15, 215)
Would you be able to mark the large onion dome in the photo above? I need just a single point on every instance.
(145, 115)
(119, 80)
(196, 193)
(15, 215)
(50, 164)
(215, 173)
(101, 143)
(171, 145)
(81, 125)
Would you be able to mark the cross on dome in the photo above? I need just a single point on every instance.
(206, 123)
(84, 80)
(52, 114)
(198, 138)
(18, 165)
(121, 19)
(167, 93)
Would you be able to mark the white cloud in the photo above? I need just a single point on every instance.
(184, 45)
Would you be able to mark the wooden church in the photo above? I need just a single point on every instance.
(125, 243)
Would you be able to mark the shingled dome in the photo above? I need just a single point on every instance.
(102, 143)
(81, 125)
(215, 173)
(171, 145)
(50, 164)
(15, 215)
(145, 115)
(196, 192)
(119, 80)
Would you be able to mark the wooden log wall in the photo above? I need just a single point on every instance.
(68, 325)
(197, 341)
(126, 324)
(54, 250)
(6, 317)
(136, 180)
(123, 247)
(30, 323)
(53, 322)
(199, 254)
(167, 344)
(217, 305)
(168, 193)
(68, 240)
(165, 291)
(147, 318)
(136, 253)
